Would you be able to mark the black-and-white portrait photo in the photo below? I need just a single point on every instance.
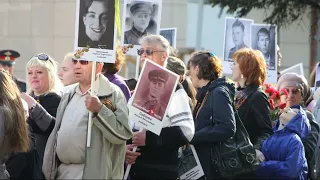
(237, 36)
(264, 39)
(140, 17)
(170, 34)
(96, 24)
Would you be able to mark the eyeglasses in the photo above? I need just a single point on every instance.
(82, 62)
(149, 52)
(294, 91)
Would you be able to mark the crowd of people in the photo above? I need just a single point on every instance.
(43, 128)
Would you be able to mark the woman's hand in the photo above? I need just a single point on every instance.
(30, 100)
(259, 155)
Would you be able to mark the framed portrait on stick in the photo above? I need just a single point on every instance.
(152, 96)
(139, 18)
(95, 30)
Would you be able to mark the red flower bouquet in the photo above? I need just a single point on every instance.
(276, 106)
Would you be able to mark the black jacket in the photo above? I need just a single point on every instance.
(41, 120)
(255, 115)
(21, 85)
(25, 165)
(310, 144)
(215, 121)
(159, 157)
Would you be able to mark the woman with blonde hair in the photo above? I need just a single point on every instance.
(43, 97)
(13, 127)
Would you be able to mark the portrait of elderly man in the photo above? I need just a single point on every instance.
(96, 24)
(263, 44)
(142, 23)
(152, 101)
(238, 35)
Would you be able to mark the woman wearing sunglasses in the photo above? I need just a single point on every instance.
(13, 126)
(298, 94)
(43, 97)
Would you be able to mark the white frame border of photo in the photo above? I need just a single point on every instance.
(226, 64)
(146, 121)
(134, 51)
(197, 171)
(100, 53)
(272, 75)
(174, 44)
(300, 65)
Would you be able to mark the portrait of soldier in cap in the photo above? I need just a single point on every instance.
(157, 87)
(7, 61)
(141, 21)
(96, 24)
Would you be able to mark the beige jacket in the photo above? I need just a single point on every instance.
(110, 130)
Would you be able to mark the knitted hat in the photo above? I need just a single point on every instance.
(295, 80)
(176, 65)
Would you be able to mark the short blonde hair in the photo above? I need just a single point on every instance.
(69, 56)
(51, 67)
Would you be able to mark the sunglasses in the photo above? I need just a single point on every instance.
(42, 57)
(80, 61)
(149, 52)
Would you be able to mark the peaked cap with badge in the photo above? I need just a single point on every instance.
(158, 75)
(8, 58)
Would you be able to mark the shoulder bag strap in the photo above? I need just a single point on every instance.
(203, 101)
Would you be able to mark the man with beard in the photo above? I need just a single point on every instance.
(157, 83)
(98, 22)
(237, 37)
(141, 16)
(7, 61)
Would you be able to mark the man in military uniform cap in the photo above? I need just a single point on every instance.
(158, 79)
(7, 60)
(141, 15)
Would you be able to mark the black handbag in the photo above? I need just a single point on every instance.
(237, 155)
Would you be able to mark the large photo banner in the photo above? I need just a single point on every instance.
(237, 35)
(264, 39)
(95, 30)
(139, 18)
(152, 96)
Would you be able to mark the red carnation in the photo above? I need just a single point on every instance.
(275, 95)
(282, 105)
(283, 92)
(271, 104)
(271, 90)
